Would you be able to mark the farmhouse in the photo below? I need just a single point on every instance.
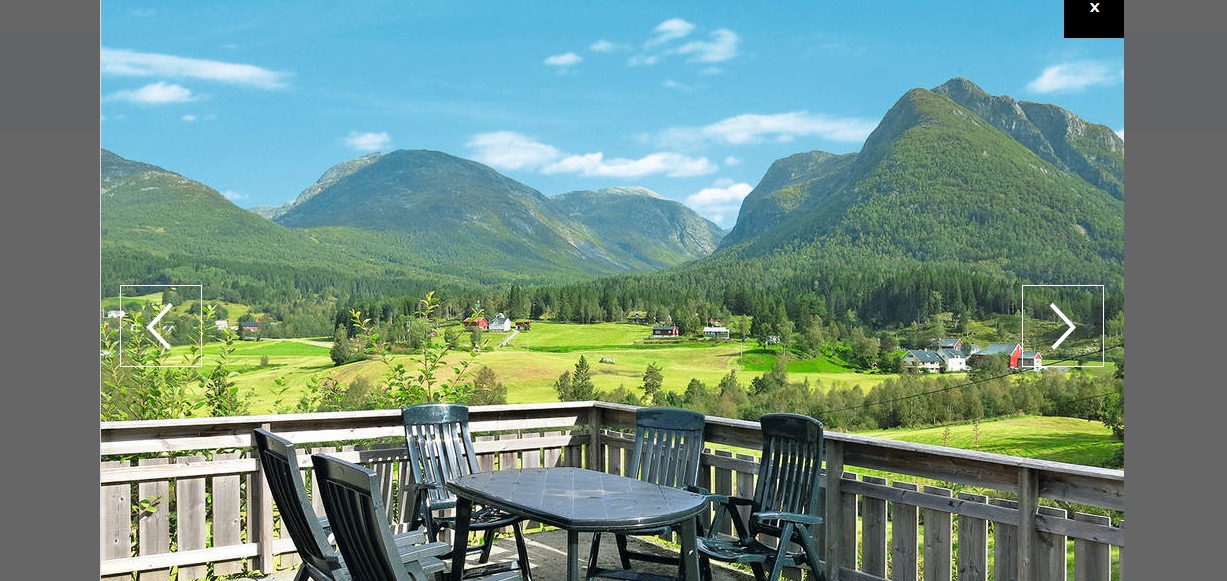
(921, 360)
(716, 332)
(524, 325)
(950, 343)
(479, 323)
(636, 316)
(1012, 350)
(953, 359)
(665, 331)
(1031, 360)
(500, 323)
(113, 314)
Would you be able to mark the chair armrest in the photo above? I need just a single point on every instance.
(805, 519)
(697, 489)
(726, 506)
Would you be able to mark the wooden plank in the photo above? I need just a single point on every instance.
(848, 532)
(833, 506)
(1005, 545)
(227, 518)
(115, 522)
(1028, 506)
(938, 548)
(972, 560)
(745, 480)
(191, 528)
(903, 550)
(723, 484)
(873, 531)
(1051, 550)
(1092, 560)
(552, 453)
(153, 522)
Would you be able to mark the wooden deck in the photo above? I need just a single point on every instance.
(182, 498)
(547, 552)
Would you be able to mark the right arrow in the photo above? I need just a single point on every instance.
(1067, 322)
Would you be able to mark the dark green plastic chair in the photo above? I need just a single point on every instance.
(440, 450)
(668, 451)
(785, 510)
(320, 561)
(355, 508)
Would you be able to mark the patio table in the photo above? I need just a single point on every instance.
(579, 500)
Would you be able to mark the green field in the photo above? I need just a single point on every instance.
(1046, 438)
(532, 361)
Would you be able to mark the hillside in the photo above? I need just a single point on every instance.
(646, 227)
(937, 183)
(451, 208)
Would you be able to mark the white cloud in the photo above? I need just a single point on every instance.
(603, 45)
(672, 84)
(129, 63)
(666, 163)
(159, 93)
(233, 196)
(367, 142)
(753, 128)
(670, 29)
(719, 203)
(1076, 76)
(511, 150)
(721, 47)
(642, 60)
(731, 161)
(564, 60)
(188, 118)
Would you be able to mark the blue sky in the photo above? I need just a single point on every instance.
(693, 100)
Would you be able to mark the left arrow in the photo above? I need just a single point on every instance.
(155, 321)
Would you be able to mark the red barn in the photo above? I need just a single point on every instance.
(1012, 350)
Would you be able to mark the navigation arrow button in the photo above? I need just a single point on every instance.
(1067, 322)
(168, 306)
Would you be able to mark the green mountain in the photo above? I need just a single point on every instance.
(457, 210)
(650, 230)
(383, 223)
(158, 227)
(938, 183)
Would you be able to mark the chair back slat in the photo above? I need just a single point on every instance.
(279, 461)
(668, 446)
(791, 464)
(358, 520)
(440, 446)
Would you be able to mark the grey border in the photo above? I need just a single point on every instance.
(49, 140)
(1175, 133)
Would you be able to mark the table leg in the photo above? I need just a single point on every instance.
(573, 555)
(460, 547)
(690, 555)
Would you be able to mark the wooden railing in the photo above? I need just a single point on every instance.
(184, 499)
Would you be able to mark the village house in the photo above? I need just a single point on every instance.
(665, 331)
(1011, 350)
(524, 325)
(500, 323)
(953, 359)
(479, 323)
(921, 361)
(716, 332)
(1031, 360)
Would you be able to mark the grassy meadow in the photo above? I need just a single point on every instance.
(532, 360)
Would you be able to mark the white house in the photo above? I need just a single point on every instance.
(921, 360)
(716, 332)
(500, 323)
(953, 359)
